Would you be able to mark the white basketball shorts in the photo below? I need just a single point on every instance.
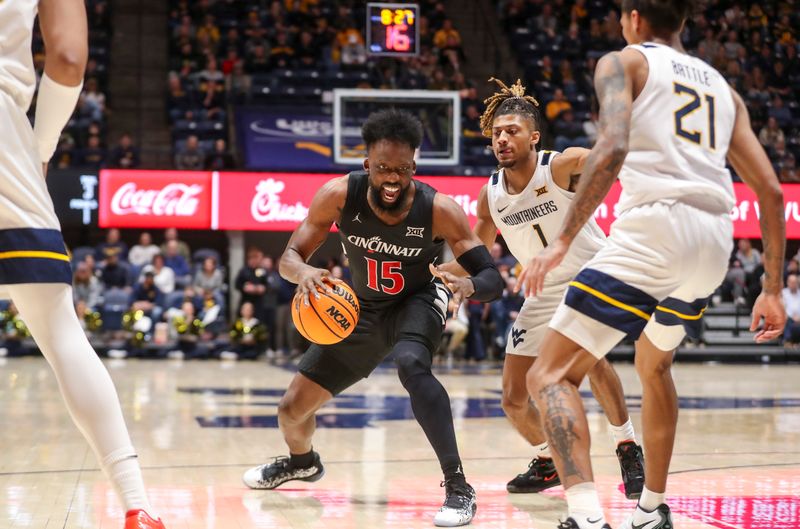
(661, 263)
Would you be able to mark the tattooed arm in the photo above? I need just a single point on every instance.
(613, 82)
(753, 166)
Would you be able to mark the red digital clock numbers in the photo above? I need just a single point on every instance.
(392, 29)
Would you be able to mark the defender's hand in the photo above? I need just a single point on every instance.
(532, 276)
(461, 287)
(312, 281)
(769, 307)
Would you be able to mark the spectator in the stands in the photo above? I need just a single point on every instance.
(779, 80)
(209, 277)
(545, 73)
(557, 105)
(66, 154)
(309, 53)
(251, 281)
(590, 127)
(791, 300)
(112, 246)
(447, 37)
(248, 335)
(190, 157)
(125, 155)
(732, 45)
(568, 132)
(781, 113)
(176, 261)
(282, 53)
(212, 95)
(211, 71)
(771, 134)
(788, 170)
(568, 82)
(546, 23)
(147, 297)
(179, 100)
(353, 52)
(219, 159)
(171, 234)
(163, 275)
(143, 252)
(115, 274)
(257, 60)
(93, 155)
(86, 287)
(270, 300)
(209, 29)
(94, 101)
(748, 256)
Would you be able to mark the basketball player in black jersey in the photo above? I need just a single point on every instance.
(392, 228)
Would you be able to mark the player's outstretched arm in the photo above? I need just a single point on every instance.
(451, 224)
(613, 82)
(65, 34)
(325, 209)
(485, 229)
(752, 164)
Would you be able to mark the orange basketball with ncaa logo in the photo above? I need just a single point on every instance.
(329, 319)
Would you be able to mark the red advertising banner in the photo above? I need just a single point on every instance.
(155, 199)
(280, 201)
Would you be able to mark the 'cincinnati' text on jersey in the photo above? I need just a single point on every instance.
(375, 244)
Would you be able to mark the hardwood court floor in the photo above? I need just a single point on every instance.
(199, 425)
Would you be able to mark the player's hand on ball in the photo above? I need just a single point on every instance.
(311, 281)
(532, 276)
(461, 287)
(769, 307)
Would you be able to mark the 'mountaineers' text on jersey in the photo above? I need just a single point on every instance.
(529, 220)
(681, 127)
(388, 262)
(17, 75)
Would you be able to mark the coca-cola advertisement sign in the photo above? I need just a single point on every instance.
(155, 199)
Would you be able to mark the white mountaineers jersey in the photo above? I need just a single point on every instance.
(530, 219)
(681, 127)
(17, 76)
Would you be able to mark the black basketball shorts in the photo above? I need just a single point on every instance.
(419, 317)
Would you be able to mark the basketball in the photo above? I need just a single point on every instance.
(329, 319)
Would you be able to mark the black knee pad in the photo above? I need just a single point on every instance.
(411, 358)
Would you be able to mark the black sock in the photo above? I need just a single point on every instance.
(429, 402)
(302, 460)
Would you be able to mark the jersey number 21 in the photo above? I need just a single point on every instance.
(695, 103)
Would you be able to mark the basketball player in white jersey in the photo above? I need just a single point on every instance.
(527, 199)
(667, 123)
(34, 265)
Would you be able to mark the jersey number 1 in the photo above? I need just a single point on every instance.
(694, 136)
(540, 233)
(391, 279)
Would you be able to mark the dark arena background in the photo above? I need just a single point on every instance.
(202, 133)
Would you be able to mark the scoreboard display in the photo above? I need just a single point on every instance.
(392, 29)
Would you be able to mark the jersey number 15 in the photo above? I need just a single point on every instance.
(695, 103)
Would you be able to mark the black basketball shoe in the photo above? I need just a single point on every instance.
(541, 475)
(460, 503)
(631, 465)
(280, 471)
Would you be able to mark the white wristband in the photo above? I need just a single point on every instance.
(54, 106)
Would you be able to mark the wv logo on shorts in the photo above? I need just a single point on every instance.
(517, 336)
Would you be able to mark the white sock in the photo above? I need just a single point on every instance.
(651, 500)
(125, 474)
(542, 450)
(584, 505)
(623, 433)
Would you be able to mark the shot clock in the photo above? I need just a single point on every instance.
(392, 29)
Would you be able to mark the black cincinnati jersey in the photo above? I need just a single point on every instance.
(388, 263)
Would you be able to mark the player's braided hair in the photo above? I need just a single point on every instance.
(509, 100)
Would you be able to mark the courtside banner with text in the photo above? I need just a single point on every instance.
(280, 201)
